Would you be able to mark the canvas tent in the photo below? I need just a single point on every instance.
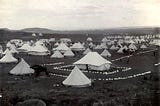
(156, 42)
(57, 54)
(69, 53)
(113, 47)
(8, 58)
(106, 53)
(6, 51)
(14, 50)
(93, 61)
(77, 47)
(77, 79)
(87, 51)
(62, 47)
(89, 39)
(25, 48)
(132, 47)
(97, 47)
(104, 40)
(1, 50)
(39, 50)
(143, 46)
(21, 68)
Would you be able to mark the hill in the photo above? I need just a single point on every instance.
(134, 30)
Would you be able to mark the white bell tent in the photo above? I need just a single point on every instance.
(22, 68)
(93, 61)
(69, 53)
(57, 54)
(106, 53)
(8, 58)
(77, 79)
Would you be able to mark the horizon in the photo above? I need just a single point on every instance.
(111, 28)
(79, 15)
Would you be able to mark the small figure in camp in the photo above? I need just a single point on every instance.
(38, 69)
(154, 53)
(127, 60)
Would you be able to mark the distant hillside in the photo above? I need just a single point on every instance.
(38, 30)
(138, 30)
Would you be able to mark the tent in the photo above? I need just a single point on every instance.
(104, 40)
(33, 34)
(77, 79)
(104, 46)
(62, 47)
(57, 54)
(132, 47)
(1, 50)
(6, 51)
(77, 47)
(39, 50)
(113, 47)
(14, 50)
(25, 48)
(156, 42)
(87, 51)
(56, 44)
(69, 53)
(97, 47)
(21, 68)
(106, 53)
(120, 50)
(8, 58)
(93, 61)
(143, 46)
(89, 39)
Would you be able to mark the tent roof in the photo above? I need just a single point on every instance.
(93, 58)
(68, 53)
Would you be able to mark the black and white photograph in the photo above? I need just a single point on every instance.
(79, 52)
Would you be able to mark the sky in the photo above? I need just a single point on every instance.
(78, 14)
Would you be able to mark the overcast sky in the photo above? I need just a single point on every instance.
(78, 14)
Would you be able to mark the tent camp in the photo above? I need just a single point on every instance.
(8, 58)
(69, 53)
(106, 53)
(93, 61)
(57, 54)
(77, 79)
(21, 68)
